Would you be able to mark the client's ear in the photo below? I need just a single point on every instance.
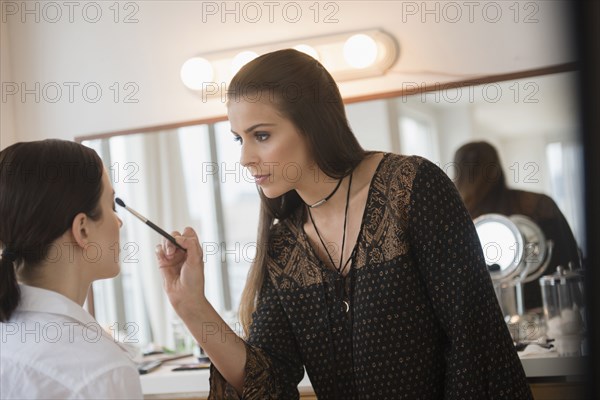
(80, 229)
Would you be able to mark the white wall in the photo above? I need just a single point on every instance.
(148, 53)
(7, 115)
(525, 165)
(370, 123)
(523, 155)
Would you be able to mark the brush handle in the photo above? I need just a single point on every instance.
(165, 234)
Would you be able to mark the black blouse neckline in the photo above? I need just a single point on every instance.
(305, 242)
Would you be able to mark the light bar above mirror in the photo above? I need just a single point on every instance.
(347, 56)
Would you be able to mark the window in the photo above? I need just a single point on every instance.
(566, 178)
(195, 179)
(418, 136)
(241, 205)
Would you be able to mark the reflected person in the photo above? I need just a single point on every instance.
(482, 186)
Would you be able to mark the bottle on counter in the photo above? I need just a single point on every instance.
(564, 309)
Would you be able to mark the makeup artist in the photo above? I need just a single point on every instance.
(59, 232)
(368, 273)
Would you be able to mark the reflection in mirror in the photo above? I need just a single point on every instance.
(190, 176)
(516, 252)
(532, 122)
(538, 250)
(502, 245)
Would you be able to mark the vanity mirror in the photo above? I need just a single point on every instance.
(502, 244)
(516, 252)
(188, 174)
(514, 247)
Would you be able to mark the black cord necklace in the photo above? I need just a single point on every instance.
(324, 200)
(340, 285)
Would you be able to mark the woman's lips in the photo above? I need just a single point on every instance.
(260, 179)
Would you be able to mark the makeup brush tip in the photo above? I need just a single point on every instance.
(119, 202)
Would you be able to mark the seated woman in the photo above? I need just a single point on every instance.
(59, 233)
(482, 186)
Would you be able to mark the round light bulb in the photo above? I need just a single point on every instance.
(241, 59)
(360, 51)
(308, 50)
(195, 72)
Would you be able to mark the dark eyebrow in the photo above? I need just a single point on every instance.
(253, 127)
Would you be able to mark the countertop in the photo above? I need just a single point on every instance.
(195, 383)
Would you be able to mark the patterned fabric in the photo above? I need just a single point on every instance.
(424, 322)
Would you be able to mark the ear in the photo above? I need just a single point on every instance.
(80, 229)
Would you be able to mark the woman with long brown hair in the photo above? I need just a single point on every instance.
(368, 273)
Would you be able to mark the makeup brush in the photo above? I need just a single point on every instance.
(149, 223)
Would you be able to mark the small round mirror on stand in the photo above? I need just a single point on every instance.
(516, 252)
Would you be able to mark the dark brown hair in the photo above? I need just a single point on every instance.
(480, 179)
(303, 91)
(43, 186)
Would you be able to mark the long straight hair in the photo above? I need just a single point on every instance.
(302, 90)
(43, 186)
(480, 178)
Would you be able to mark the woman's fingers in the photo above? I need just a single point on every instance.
(170, 266)
(169, 248)
(189, 241)
(172, 258)
(182, 271)
(169, 272)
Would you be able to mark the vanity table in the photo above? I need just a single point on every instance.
(551, 378)
(164, 383)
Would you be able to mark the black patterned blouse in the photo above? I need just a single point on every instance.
(424, 322)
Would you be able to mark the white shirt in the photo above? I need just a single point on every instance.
(52, 348)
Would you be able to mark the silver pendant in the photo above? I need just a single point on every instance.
(318, 203)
